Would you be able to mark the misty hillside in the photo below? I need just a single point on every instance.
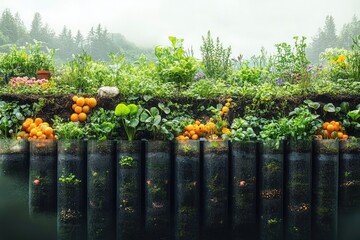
(98, 42)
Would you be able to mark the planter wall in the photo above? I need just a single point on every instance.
(191, 190)
(157, 190)
(43, 176)
(349, 191)
(298, 188)
(325, 189)
(215, 189)
(101, 160)
(271, 190)
(187, 190)
(243, 189)
(128, 195)
(71, 197)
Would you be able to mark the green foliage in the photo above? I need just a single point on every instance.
(127, 161)
(291, 64)
(130, 118)
(153, 122)
(69, 180)
(354, 59)
(11, 116)
(174, 65)
(215, 59)
(102, 125)
(26, 60)
(247, 128)
(68, 130)
(206, 88)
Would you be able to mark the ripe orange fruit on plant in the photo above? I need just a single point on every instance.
(92, 102)
(345, 137)
(80, 101)
(75, 98)
(74, 117)
(195, 137)
(197, 122)
(340, 135)
(78, 109)
(74, 106)
(48, 131)
(82, 117)
(330, 128)
(325, 124)
(225, 109)
(86, 101)
(86, 109)
(38, 121)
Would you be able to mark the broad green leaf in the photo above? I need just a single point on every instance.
(345, 107)
(354, 115)
(143, 116)
(122, 110)
(134, 123)
(133, 109)
(147, 97)
(154, 111)
(311, 104)
(157, 120)
(329, 107)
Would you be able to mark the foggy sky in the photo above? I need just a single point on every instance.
(246, 25)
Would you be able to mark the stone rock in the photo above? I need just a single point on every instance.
(108, 91)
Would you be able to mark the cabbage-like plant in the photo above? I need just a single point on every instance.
(129, 115)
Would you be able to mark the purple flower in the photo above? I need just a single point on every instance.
(279, 81)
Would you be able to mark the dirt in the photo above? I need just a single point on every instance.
(61, 104)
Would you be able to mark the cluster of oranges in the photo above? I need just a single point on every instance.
(82, 107)
(35, 129)
(212, 129)
(332, 130)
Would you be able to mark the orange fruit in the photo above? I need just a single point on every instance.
(78, 109)
(86, 109)
(80, 101)
(325, 124)
(29, 120)
(75, 98)
(39, 134)
(32, 126)
(195, 137)
(18, 138)
(227, 104)
(326, 134)
(189, 128)
(86, 101)
(221, 113)
(48, 131)
(192, 132)
(345, 137)
(82, 117)
(38, 121)
(26, 124)
(33, 132)
(330, 128)
(340, 135)
(92, 102)
(225, 109)
(74, 117)
(74, 106)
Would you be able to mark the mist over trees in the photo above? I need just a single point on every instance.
(328, 38)
(98, 42)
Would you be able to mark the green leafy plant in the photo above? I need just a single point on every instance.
(354, 59)
(69, 180)
(129, 116)
(127, 161)
(216, 59)
(174, 64)
(102, 125)
(247, 128)
(68, 130)
(11, 116)
(158, 126)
